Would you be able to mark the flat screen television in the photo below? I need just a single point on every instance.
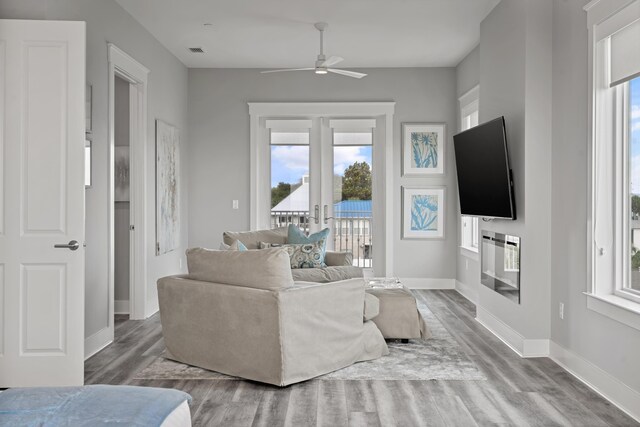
(485, 181)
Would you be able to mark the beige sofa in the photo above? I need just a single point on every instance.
(339, 264)
(240, 313)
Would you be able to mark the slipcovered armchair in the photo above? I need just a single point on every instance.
(240, 313)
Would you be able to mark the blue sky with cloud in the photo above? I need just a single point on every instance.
(290, 162)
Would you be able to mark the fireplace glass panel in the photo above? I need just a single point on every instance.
(501, 264)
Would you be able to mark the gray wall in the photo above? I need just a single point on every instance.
(468, 268)
(121, 209)
(517, 61)
(167, 100)
(219, 146)
(513, 68)
(610, 345)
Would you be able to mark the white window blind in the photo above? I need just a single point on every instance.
(285, 125)
(352, 125)
(625, 53)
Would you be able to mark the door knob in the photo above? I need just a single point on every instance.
(316, 218)
(72, 245)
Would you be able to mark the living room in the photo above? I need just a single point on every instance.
(528, 61)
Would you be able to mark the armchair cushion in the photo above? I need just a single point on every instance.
(252, 239)
(266, 269)
(326, 274)
(337, 259)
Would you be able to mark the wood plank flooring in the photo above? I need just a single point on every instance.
(518, 392)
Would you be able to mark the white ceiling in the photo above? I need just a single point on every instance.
(280, 33)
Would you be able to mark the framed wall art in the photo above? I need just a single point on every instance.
(423, 148)
(167, 187)
(423, 211)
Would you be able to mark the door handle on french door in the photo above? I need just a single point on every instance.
(316, 211)
(326, 214)
(72, 245)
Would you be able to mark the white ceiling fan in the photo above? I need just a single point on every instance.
(323, 63)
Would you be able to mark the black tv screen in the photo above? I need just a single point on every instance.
(485, 181)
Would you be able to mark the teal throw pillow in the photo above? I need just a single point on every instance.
(297, 236)
(237, 245)
(306, 255)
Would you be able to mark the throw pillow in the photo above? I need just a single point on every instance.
(237, 245)
(297, 236)
(265, 245)
(306, 255)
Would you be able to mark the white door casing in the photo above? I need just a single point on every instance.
(42, 86)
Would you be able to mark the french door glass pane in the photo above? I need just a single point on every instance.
(290, 179)
(634, 182)
(352, 195)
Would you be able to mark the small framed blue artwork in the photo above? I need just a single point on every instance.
(423, 147)
(423, 212)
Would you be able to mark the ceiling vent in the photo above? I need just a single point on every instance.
(196, 50)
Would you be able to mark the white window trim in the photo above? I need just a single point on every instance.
(604, 295)
(384, 111)
(469, 102)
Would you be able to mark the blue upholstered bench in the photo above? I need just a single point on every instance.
(94, 405)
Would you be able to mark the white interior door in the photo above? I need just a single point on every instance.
(42, 85)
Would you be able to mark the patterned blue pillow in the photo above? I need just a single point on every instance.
(297, 236)
(306, 255)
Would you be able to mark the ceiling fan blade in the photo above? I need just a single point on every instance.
(346, 73)
(287, 69)
(332, 60)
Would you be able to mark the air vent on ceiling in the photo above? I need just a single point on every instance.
(196, 50)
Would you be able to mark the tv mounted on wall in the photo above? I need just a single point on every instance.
(485, 181)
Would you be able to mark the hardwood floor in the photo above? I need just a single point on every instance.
(518, 392)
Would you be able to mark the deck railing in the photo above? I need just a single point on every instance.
(351, 231)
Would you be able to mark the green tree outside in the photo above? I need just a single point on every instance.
(356, 184)
(280, 192)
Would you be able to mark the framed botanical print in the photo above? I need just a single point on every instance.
(423, 148)
(423, 213)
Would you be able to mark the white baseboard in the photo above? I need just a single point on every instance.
(467, 291)
(97, 342)
(522, 346)
(425, 283)
(603, 383)
(121, 307)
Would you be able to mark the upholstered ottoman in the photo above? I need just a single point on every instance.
(398, 316)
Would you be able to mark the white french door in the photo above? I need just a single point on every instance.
(321, 176)
(42, 85)
(324, 121)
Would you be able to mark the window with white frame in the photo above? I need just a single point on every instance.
(469, 109)
(615, 154)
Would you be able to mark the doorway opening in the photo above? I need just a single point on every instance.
(122, 201)
(127, 186)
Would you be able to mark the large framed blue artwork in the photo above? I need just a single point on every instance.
(423, 147)
(423, 212)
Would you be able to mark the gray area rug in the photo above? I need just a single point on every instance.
(438, 358)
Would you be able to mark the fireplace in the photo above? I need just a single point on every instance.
(501, 264)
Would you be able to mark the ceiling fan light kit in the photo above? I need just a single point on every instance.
(323, 63)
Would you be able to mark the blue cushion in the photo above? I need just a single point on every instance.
(297, 236)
